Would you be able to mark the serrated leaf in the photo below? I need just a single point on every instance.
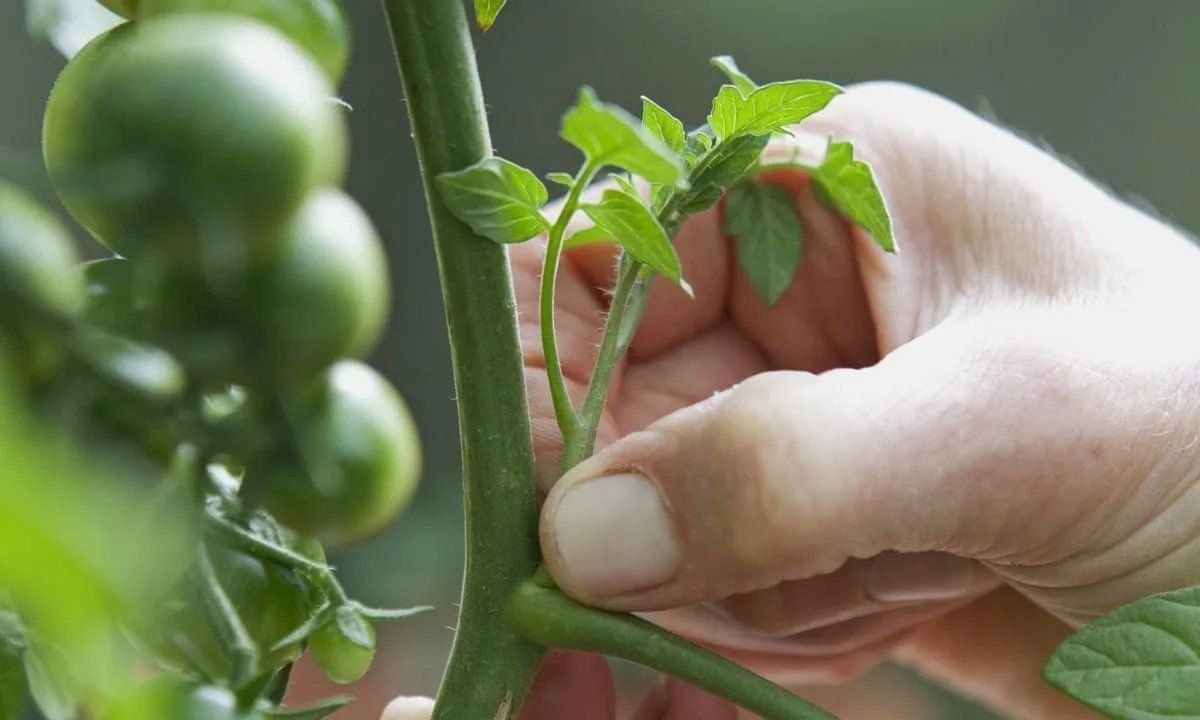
(740, 80)
(1139, 662)
(486, 12)
(849, 185)
(323, 709)
(607, 135)
(48, 686)
(257, 545)
(561, 178)
(663, 125)
(763, 222)
(352, 626)
(637, 230)
(68, 25)
(770, 108)
(499, 199)
(589, 236)
(730, 162)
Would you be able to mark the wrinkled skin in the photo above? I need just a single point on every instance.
(951, 456)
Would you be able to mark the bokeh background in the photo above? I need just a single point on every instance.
(1110, 84)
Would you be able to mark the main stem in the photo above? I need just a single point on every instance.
(490, 667)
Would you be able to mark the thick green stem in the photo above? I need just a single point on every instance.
(490, 667)
(547, 616)
(564, 411)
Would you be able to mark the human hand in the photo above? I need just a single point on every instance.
(1009, 401)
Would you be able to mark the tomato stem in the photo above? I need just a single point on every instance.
(490, 666)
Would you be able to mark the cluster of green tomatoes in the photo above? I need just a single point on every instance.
(202, 144)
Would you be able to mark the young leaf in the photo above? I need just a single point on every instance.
(770, 108)
(589, 236)
(740, 80)
(389, 613)
(1139, 662)
(500, 200)
(48, 686)
(762, 220)
(486, 12)
(323, 709)
(561, 178)
(728, 164)
(849, 186)
(663, 125)
(68, 25)
(632, 224)
(607, 135)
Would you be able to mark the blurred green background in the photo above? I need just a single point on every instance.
(1109, 84)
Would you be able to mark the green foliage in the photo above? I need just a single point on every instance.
(721, 167)
(664, 126)
(1139, 662)
(607, 135)
(499, 199)
(740, 80)
(625, 218)
(762, 220)
(769, 108)
(486, 12)
(848, 186)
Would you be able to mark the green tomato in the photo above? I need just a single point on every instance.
(323, 293)
(38, 271)
(201, 133)
(357, 431)
(318, 26)
(269, 599)
(344, 647)
(166, 697)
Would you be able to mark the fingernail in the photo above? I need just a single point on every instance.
(614, 536)
(917, 577)
(408, 708)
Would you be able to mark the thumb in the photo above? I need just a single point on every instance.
(947, 444)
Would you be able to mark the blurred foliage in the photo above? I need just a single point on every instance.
(1107, 83)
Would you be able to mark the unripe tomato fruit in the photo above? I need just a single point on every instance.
(323, 292)
(357, 430)
(191, 131)
(344, 647)
(269, 599)
(38, 264)
(318, 26)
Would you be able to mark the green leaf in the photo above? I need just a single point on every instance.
(255, 544)
(849, 187)
(68, 25)
(561, 178)
(632, 224)
(352, 626)
(486, 12)
(770, 108)
(500, 200)
(663, 125)
(763, 222)
(728, 163)
(607, 135)
(741, 81)
(323, 709)
(589, 236)
(1139, 662)
(140, 368)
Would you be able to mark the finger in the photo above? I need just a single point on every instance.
(857, 589)
(408, 708)
(941, 446)
(674, 699)
(993, 650)
(571, 685)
